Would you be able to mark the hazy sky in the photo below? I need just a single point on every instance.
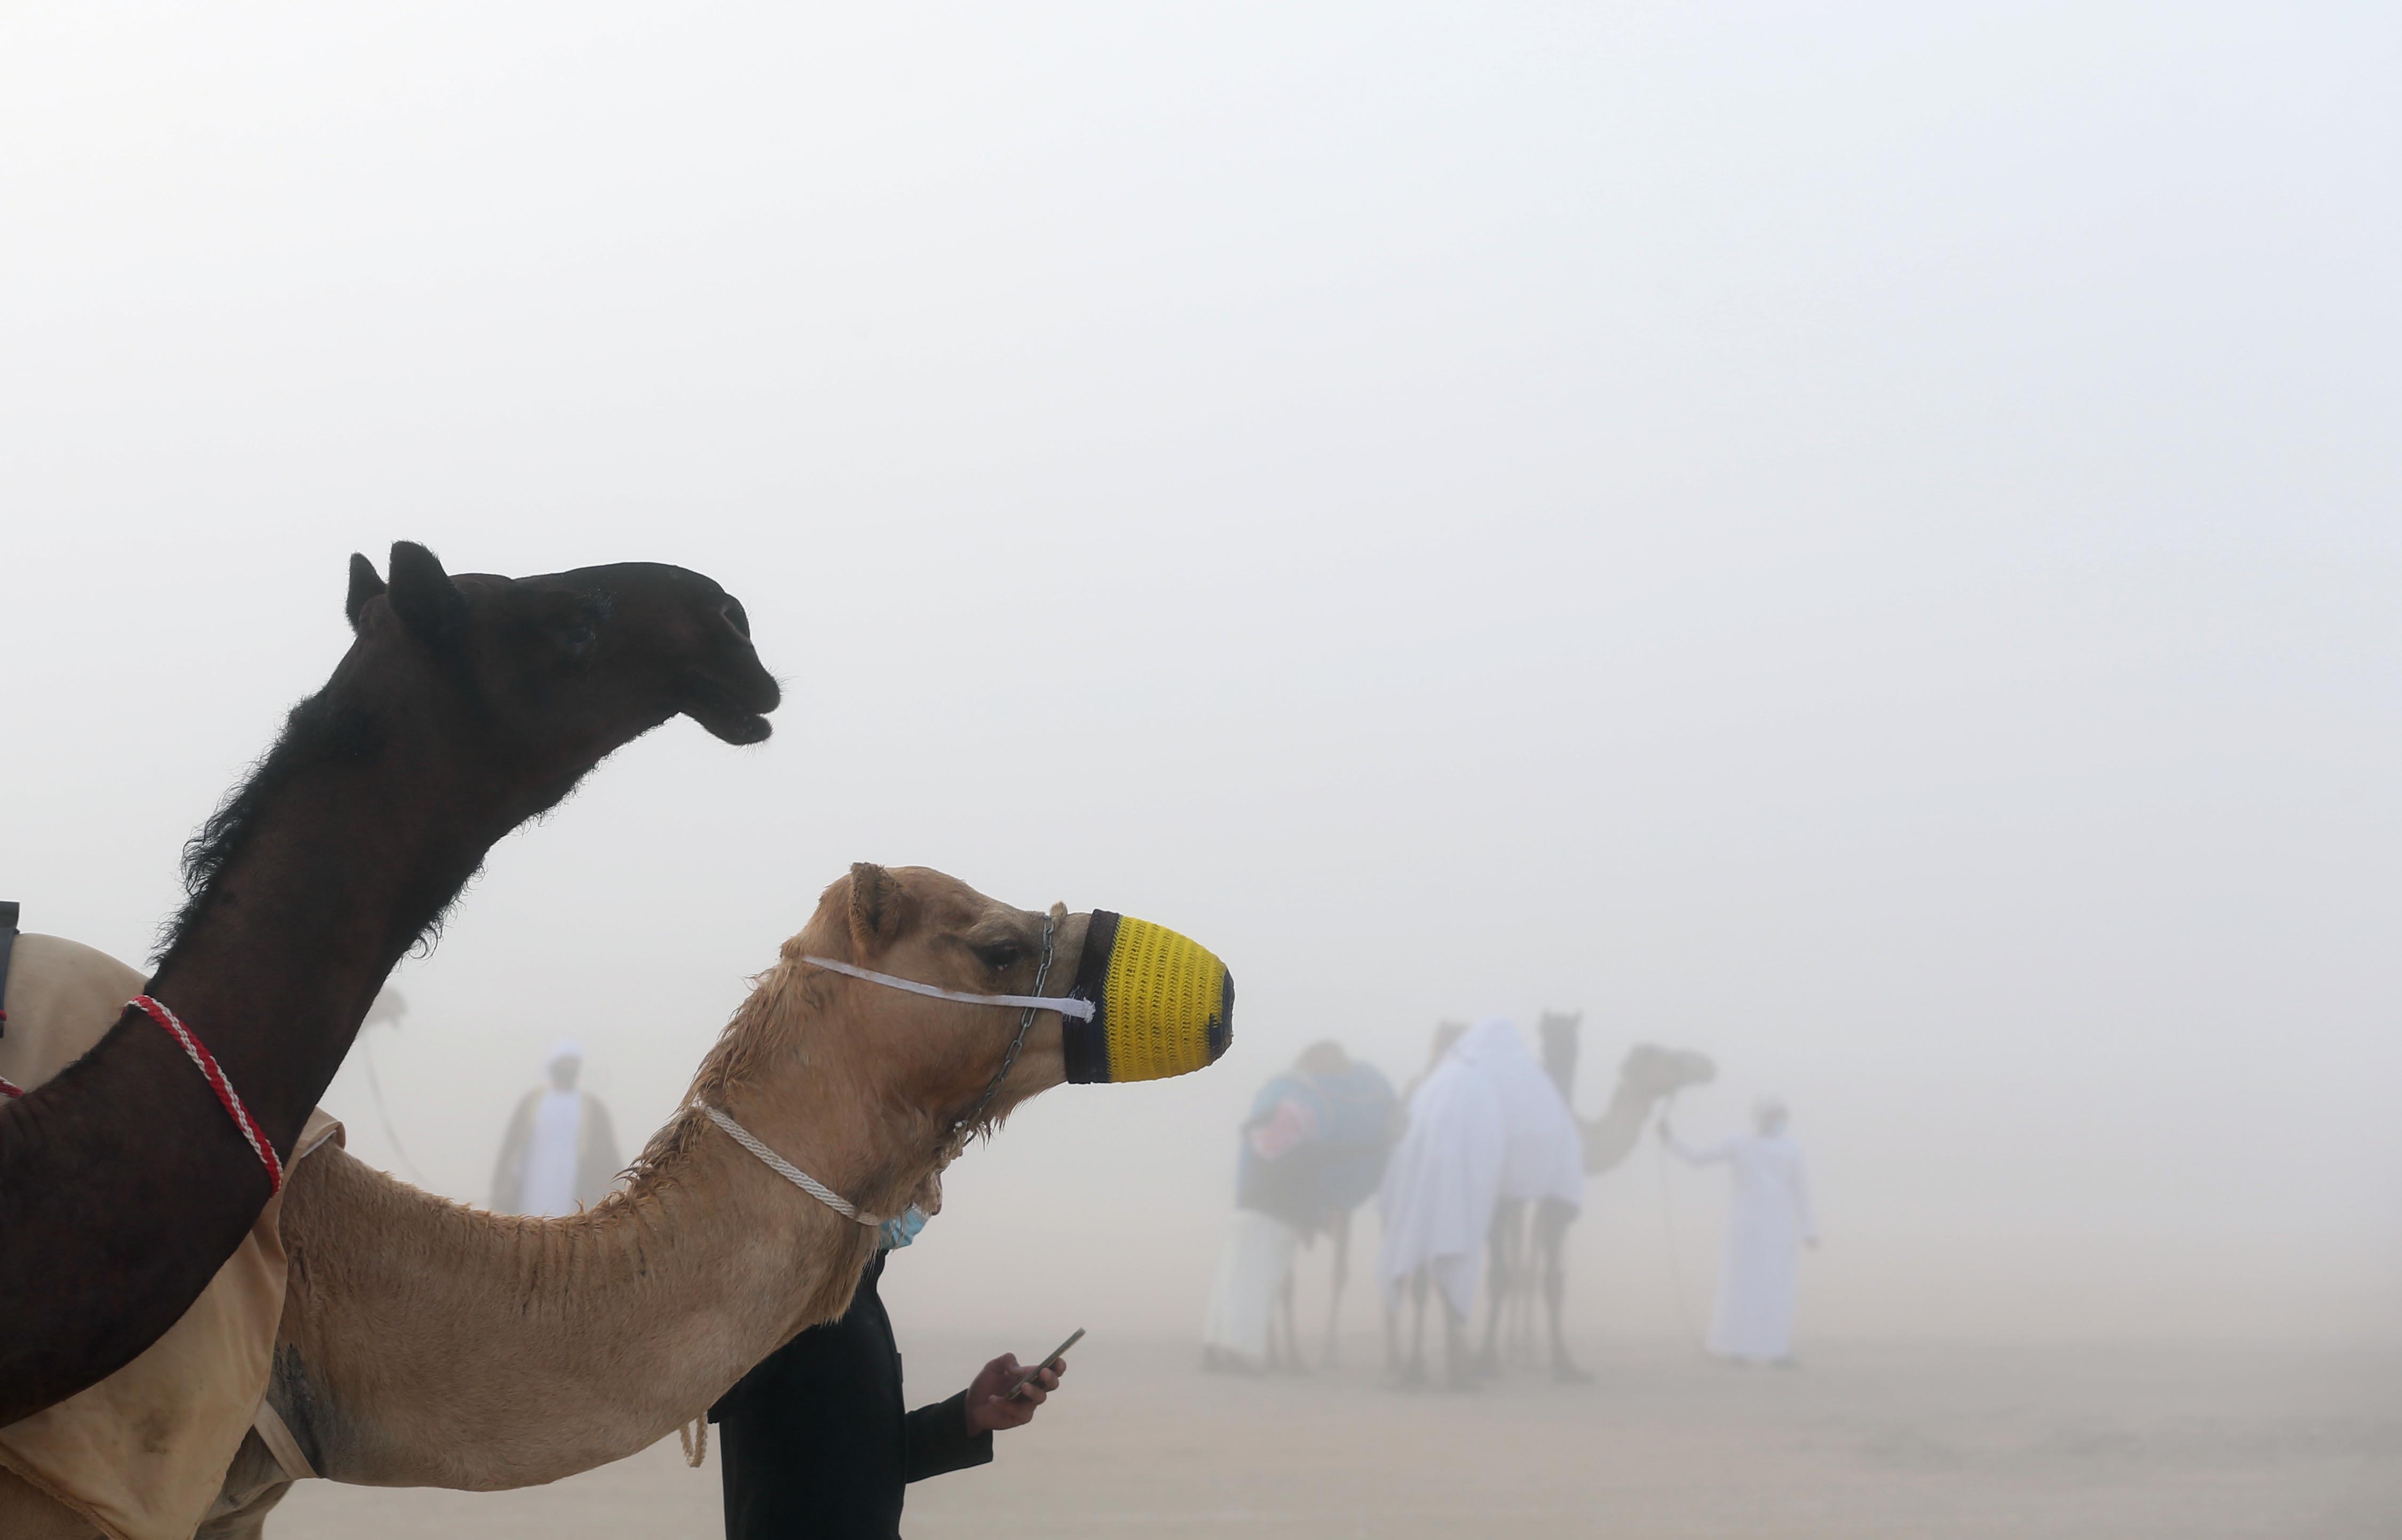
(1862, 540)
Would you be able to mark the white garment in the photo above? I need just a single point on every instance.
(1487, 1124)
(1439, 1185)
(1759, 1272)
(550, 1160)
(1252, 1271)
(1544, 1157)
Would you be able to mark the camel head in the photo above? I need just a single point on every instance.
(1658, 1072)
(557, 671)
(474, 703)
(934, 1068)
(1648, 1074)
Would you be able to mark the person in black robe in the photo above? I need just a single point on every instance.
(814, 1442)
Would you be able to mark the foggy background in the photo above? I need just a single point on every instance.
(1859, 539)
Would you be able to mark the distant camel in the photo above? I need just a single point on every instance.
(1315, 1186)
(464, 708)
(1515, 1270)
(426, 1344)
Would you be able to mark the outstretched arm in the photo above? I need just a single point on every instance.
(1715, 1153)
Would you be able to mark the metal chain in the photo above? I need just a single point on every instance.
(960, 1129)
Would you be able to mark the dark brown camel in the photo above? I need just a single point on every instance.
(464, 708)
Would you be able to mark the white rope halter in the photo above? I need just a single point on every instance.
(787, 1170)
(1029, 1004)
(696, 1450)
(1081, 1009)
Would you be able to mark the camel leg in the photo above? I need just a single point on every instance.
(1516, 1302)
(1497, 1282)
(1530, 1284)
(1268, 1362)
(1501, 1246)
(1521, 1322)
(1522, 1303)
(1418, 1325)
(1457, 1374)
(1291, 1360)
(1339, 1238)
(1416, 1373)
(1552, 1221)
(1291, 1327)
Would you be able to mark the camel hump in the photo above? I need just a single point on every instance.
(63, 998)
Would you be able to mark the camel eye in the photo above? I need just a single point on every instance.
(576, 640)
(999, 955)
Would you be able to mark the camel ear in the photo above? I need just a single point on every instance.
(365, 586)
(879, 908)
(423, 595)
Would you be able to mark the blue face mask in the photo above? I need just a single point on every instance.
(899, 1233)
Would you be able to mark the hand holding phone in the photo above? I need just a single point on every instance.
(1017, 1390)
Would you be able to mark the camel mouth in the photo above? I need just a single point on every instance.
(740, 729)
(723, 710)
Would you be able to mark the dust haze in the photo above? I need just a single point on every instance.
(1861, 542)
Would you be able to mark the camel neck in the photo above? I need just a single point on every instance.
(1610, 1138)
(338, 871)
(342, 856)
(461, 1349)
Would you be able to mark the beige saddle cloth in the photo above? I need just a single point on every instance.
(142, 1455)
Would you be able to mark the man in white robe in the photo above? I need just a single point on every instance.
(1767, 1225)
(560, 1152)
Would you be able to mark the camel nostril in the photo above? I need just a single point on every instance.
(1220, 1029)
(736, 616)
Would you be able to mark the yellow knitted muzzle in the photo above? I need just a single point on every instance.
(1164, 1004)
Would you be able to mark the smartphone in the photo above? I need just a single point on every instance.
(1017, 1390)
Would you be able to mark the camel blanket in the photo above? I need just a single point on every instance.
(142, 1455)
(1545, 1155)
(1439, 1185)
(1487, 1124)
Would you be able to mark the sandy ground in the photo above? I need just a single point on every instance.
(1860, 1441)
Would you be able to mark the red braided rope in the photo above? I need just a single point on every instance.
(10, 1087)
(206, 1062)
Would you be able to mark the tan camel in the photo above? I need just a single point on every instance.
(426, 1344)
